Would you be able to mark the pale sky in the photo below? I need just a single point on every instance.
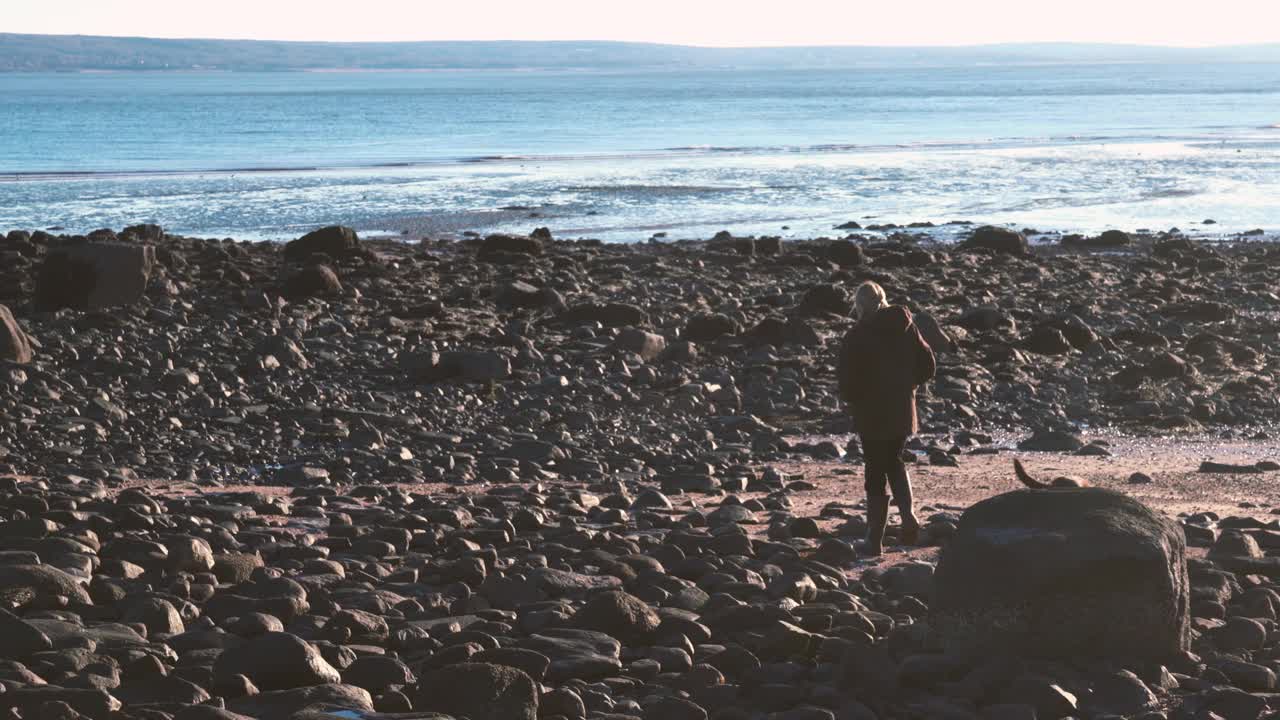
(690, 22)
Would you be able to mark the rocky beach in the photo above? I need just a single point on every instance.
(520, 477)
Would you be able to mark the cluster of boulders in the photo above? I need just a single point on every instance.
(614, 600)
(252, 355)
(521, 478)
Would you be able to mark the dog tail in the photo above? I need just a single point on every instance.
(1025, 476)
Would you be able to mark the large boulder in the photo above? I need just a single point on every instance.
(576, 654)
(933, 333)
(107, 636)
(1045, 440)
(607, 314)
(480, 691)
(30, 701)
(190, 554)
(826, 298)
(997, 239)
(620, 615)
(1076, 330)
(645, 344)
(277, 661)
(144, 233)
(725, 242)
(845, 253)
(566, 583)
(776, 331)
(21, 638)
(1048, 340)
(1108, 239)
(476, 365)
(285, 703)
(985, 318)
(312, 281)
(1200, 311)
(14, 345)
(207, 712)
(377, 672)
(334, 241)
(43, 582)
(1063, 572)
(156, 614)
(498, 245)
(235, 568)
(94, 275)
(519, 294)
(705, 328)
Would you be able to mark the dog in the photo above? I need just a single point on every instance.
(1064, 481)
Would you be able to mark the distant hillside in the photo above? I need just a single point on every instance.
(32, 53)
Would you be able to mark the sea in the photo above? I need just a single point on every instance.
(634, 155)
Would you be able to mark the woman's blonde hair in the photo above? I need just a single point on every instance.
(868, 299)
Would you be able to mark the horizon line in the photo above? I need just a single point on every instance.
(656, 43)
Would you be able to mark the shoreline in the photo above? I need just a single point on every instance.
(939, 234)
(469, 226)
(1172, 445)
(1154, 318)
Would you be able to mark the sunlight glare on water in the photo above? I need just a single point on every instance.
(623, 155)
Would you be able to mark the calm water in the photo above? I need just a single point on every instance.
(623, 155)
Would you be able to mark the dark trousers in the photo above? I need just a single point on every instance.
(884, 466)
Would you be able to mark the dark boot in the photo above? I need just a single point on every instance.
(900, 480)
(877, 518)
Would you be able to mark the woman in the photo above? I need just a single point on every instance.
(882, 361)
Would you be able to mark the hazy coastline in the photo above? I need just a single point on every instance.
(20, 52)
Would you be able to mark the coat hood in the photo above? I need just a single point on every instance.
(892, 320)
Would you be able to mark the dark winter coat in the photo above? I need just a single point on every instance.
(882, 361)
